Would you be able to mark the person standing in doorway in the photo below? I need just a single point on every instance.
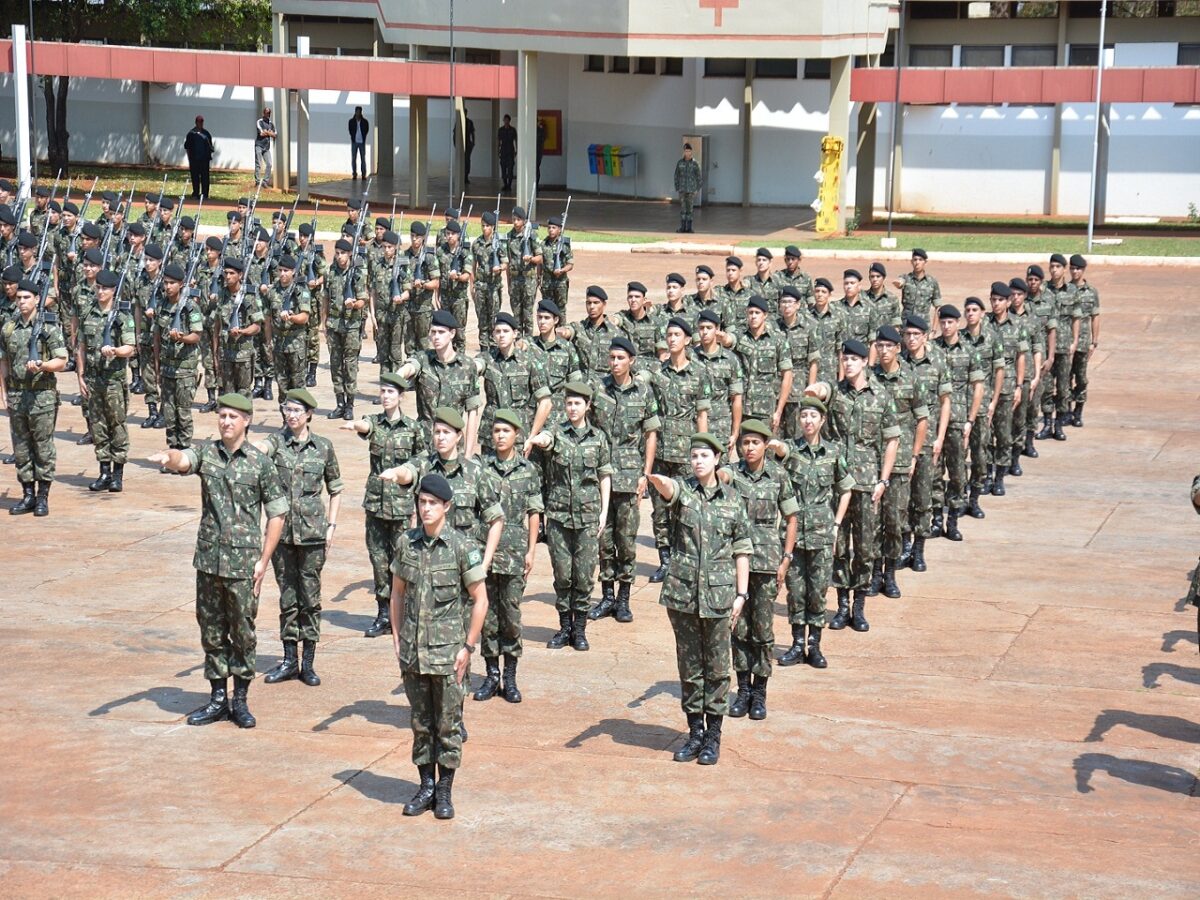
(264, 134)
(506, 139)
(469, 146)
(358, 127)
(687, 184)
(200, 150)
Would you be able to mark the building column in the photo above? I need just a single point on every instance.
(418, 152)
(493, 160)
(281, 176)
(840, 69)
(302, 129)
(864, 161)
(1102, 163)
(144, 95)
(747, 131)
(384, 142)
(527, 105)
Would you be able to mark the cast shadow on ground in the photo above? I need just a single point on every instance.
(1173, 638)
(1171, 727)
(1135, 771)
(658, 689)
(1154, 671)
(377, 787)
(629, 733)
(168, 699)
(350, 621)
(377, 712)
(537, 634)
(365, 585)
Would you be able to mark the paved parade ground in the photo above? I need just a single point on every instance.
(1025, 721)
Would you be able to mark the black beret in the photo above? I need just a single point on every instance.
(262, 235)
(106, 196)
(233, 216)
(949, 311)
(137, 229)
(878, 267)
(166, 203)
(972, 301)
(704, 270)
(287, 261)
(70, 207)
(1078, 262)
(7, 217)
(91, 230)
(681, 323)
(594, 290)
(623, 344)
(443, 318)
(6, 185)
(382, 222)
(153, 251)
(54, 206)
(417, 228)
(709, 315)
(488, 218)
(390, 237)
(344, 245)
(305, 229)
(823, 282)
(912, 320)
(187, 223)
(278, 216)
(1035, 271)
(852, 273)
(549, 306)
(28, 285)
(94, 256)
(636, 286)
(174, 271)
(213, 243)
(519, 212)
(676, 278)
(792, 250)
(348, 231)
(13, 274)
(243, 201)
(42, 191)
(757, 302)
(555, 220)
(504, 319)
(917, 251)
(789, 290)
(1000, 289)
(855, 348)
(1058, 258)
(452, 212)
(107, 279)
(438, 486)
(232, 262)
(453, 228)
(354, 203)
(1018, 284)
(733, 261)
(888, 333)
(27, 240)
(764, 252)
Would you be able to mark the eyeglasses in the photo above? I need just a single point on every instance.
(294, 410)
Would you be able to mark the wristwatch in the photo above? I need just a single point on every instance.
(470, 648)
(743, 595)
(884, 481)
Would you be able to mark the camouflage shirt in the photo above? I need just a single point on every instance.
(244, 313)
(556, 254)
(801, 281)
(819, 474)
(885, 309)
(687, 176)
(930, 370)
(912, 404)
(918, 296)
(519, 247)
(859, 319)
(422, 266)
(560, 363)
(289, 337)
(1035, 335)
(863, 421)
(626, 414)
(342, 318)
(304, 468)
(484, 254)
(769, 498)
(768, 289)
(574, 465)
(520, 485)
(592, 341)
(1067, 310)
(14, 349)
(797, 335)
(454, 383)
(1087, 300)
(175, 355)
(515, 382)
(682, 394)
(963, 369)
(1014, 343)
(990, 353)
(825, 337)
(1043, 306)
(764, 360)
(643, 333)
(380, 284)
(726, 381)
(392, 444)
(93, 324)
(458, 262)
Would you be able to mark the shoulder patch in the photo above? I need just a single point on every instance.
(474, 558)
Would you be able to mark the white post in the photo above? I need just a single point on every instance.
(21, 97)
(302, 129)
(1096, 133)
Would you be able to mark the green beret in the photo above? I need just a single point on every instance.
(704, 439)
(240, 402)
(809, 403)
(753, 426)
(448, 415)
(300, 395)
(509, 417)
(578, 389)
(394, 380)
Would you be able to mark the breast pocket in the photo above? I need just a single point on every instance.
(590, 457)
(446, 587)
(310, 476)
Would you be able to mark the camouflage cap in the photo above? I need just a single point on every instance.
(508, 417)
(578, 389)
(240, 402)
(704, 439)
(754, 426)
(812, 403)
(448, 415)
(394, 380)
(300, 395)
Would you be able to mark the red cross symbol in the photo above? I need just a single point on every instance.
(718, 7)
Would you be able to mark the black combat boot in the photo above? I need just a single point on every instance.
(695, 739)
(311, 379)
(579, 639)
(858, 620)
(151, 415)
(383, 620)
(423, 798)
(974, 510)
(118, 478)
(238, 710)
(918, 555)
(348, 410)
(891, 590)
(443, 803)
(664, 560)
(936, 528)
(103, 480)
(216, 709)
(740, 704)
(952, 533)
(41, 505)
(267, 393)
(607, 601)
(212, 401)
(1046, 430)
(562, 637)
(511, 692)
(816, 658)
(491, 682)
(137, 386)
(85, 439)
(1030, 450)
(1058, 429)
(988, 481)
(710, 752)
(758, 698)
(27, 502)
(1014, 468)
(998, 485)
(336, 412)
(876, 584)
(1077, 416)
(288, 667)
(257, 392)
(682, 229)
(842, 618)
(905, 551)
(622, 613)
(794, 655)
(307, 675)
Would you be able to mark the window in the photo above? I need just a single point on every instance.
(817, 69)
(1189, 54)
(930, 55)
(775, 68)
(1034, 55)
(935, 10)
(619, 64)
(1084, 54)
(1012, 10)
(672, 65)
(593, 63)
(970, 57)
(724, 68)
(647, 65)
(887, 59)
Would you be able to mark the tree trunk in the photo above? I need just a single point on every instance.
(57, 137)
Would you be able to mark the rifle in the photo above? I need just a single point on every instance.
(563, 240)
(248, 222)
(25, 188)
(310, 268)
(82, 217)
(156, 216)
(186, 294)
(41, 318)
(494, 262)
(355, 250)
(456, 261)
(46, 232)
(53, 193)
(419, 267)
(527, 231)
(214, 286)
(119, 306)
(106, 244)
(264, 275)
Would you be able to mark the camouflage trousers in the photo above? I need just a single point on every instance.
(660, 517)
(807, 582)
(225, 611)
(754, 634)
(390, 335)
(458, 306)
(291, 367)
(264, 358)
(574, 554)
(502, 626)
(383, 540)
(1020, 418)
(720, 427)
(488, 297)
(298, 574)
(893, 516)
(344, 347)
(1079, 376)
(857, 544)
(920, 500)
(1056, 399)
(952, 491)
(314, 336)
(1000, 452)
(237, 376)
(207, 360)
(178, 392)
(435, 715)
(980, 449)
(687, 200)
(1035, 405)
(789, 423)
(702, 651)
(31, 419)
(557, 289)
(145, 358)
(108, 401)
(420, 318)
(522, 297)
(618, 543)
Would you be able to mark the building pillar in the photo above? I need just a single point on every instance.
(864, 161)
(1050, 204)
(747, 131)
(418, 152)
(147, 157)
(493, 158)
(1102, 163)
(281, 176)
(840, 69)
(302, 129)
(384, 142)
(527, 105)
(20, 78)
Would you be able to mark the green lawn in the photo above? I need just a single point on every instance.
(1041, 245)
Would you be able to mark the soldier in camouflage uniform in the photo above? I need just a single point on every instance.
(706, 588)
(237, 485)
(313, 269)
(260, 273)
(677, 304)
(734, 294)
(146, 295)
(641, 322)
(931, 372)
(627, 411)
(763, 282)
(557, 263)
(455, 261)
(705, 297)
(557, 357)
(290, 307)
(426, 275)
(1019, 309)
(1015, 345)
(31, 390)
(791, 274)
(1057, 398)
(982, 338)
(394, 440)
(237, 317)
(344, 310)
(40, 213)
(1042, 304)
(687, 185)
(443, 377)
(490, 257)
(520, 485)
(306, 464)
(862, 419)
(920, 294)
(770, 501)
(1087, 299)
(178, 331)
(524, 265)
(766, 357)
(106, 343)
(577, 471)
(208, 282)
(911, 402)
(857, 314)
(434, 565)
(794, 324)
(592, 335)
(885, 306)
(965, 371)
(726, 379)
(512, 379)
(82, 295)
(825, 336)
(391, 289)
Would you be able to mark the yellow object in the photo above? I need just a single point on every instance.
(830, 184)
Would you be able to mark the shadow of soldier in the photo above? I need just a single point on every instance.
(629, 733)
(377, 712)
(365, 585)
(1180, 636)
(168, 699)
(1135, 771)
(1171, 727)
(339, 618)
(658, 689)
(377, 787)
(1154, 671)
